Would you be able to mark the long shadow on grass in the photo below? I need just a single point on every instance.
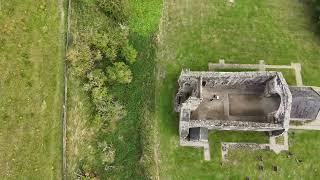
(168, 117)
(138, 99)
(312, 9)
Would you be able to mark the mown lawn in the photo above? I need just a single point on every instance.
(197, 32)
(31, 66)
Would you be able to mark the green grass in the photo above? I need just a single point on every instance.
(31, 66)
(288, 74)
(195, 33)
(280, 140)
(136, 150)
(234, 70)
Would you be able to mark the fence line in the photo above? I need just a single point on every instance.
(65, 96)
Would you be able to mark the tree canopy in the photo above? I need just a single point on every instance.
(100, 56)
(119, 72)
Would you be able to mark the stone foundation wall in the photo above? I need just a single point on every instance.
(189, 93)
(234, 125)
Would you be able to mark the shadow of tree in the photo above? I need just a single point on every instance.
(312, 9)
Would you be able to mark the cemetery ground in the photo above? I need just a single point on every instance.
(194, 33)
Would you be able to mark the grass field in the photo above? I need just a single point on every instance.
(31, 66)
(194, 33)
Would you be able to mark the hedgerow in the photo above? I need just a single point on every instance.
(100, 56)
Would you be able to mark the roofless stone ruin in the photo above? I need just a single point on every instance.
(248, 101)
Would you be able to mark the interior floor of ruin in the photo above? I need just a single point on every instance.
(235, 105)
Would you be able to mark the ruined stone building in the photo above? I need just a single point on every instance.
(249, 101)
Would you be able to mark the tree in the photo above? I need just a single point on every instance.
(102, 43)
(109, 110)
(96, 78)
(107, 45)
(119, 72)
(129, 53)
(116, 9)
(80, 58)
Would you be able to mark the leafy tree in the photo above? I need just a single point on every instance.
(119, 72)
(101, 97)
(115, 9)
(105, 44)
(83, 59)
(109, 110)
(79, 57)
(129, 53)
(96, 78)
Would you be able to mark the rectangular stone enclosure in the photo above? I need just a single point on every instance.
(249, 101)
(256, 101)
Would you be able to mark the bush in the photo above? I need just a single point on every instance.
(108, 110)
(80, 58)
(83, 59)
(107, 152)
(115, 9)
(119, 72)
(129, 53)
(98, 57)
(96, 78)
(104, 43)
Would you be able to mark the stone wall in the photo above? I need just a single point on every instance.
(234, 125)
(305, 103)
(188, 98)
(278, 86)
(231, 80)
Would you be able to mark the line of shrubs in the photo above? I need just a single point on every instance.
(100, 56)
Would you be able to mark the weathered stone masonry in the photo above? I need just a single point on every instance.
(248, 101)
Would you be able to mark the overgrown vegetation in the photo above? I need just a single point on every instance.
(111, 107)
(99, 57)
